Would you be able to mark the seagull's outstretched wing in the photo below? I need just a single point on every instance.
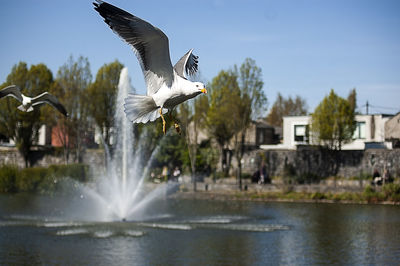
(187, 65)
(46, 97)
(149, 43)
(12, 91)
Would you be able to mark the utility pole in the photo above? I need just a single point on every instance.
(367, 106)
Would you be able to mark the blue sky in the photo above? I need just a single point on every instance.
(303, 47)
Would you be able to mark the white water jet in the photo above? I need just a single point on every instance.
(120, 193)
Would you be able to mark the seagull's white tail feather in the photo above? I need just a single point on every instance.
(23, 109)
(141, 108)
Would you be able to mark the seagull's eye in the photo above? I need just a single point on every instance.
(197, 86)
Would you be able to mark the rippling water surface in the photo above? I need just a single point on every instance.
(45, 230)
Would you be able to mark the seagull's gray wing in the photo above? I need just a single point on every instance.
(12, 91)
(46, 97)
(149, 43)
(187, 65)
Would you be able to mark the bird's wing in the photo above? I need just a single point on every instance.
(46, 97)
(187, 65)
(149, 43)
(12, 91)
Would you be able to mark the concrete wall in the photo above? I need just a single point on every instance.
(45, 158)
(325, 163)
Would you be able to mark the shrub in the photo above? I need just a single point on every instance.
(246, 176)
(40, 179)
(391, 191)
(317, 196)
(79, 172)
(29, 179)
(8, 175)
(371, 195)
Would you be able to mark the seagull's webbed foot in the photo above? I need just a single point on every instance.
(163, 122)
(177, 128)
(176, 125)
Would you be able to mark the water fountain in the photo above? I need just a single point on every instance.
(84, 219)
(120, 192)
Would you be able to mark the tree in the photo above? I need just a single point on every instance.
(333, 121)
(284, 107)
(103, 93)
(192, 114)
(71, 86)
(251, 105)
(222, 112)
(352, 99)
(23, 127)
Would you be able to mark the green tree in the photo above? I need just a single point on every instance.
(285, 107)
(192, 115)
(251, 105)
(71, 86)
(352, 99)
(23, 127)
(222, 113)
(333, 122)
(103, 93)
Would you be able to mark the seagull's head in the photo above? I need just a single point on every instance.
(200, 87)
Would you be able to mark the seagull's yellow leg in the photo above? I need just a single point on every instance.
(163, 121)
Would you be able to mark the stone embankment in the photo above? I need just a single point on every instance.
(231, 185)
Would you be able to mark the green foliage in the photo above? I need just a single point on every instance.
(286, 107)
(23, 127)
(40, 179)
(392, 192)
(171, 151)
(78, 171)
(103, 92)
(8, 175)
(333, 122)
(318, 196)
(28, 179)
(371, 195)
(71, 87)
(224, 97)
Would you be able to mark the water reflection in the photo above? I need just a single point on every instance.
(202, 233)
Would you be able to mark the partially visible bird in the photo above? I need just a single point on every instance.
(167, 86)
(29, 103)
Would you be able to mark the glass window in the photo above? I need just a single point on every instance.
(301, 133)
(359, 133)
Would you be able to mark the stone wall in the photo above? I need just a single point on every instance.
(44, 158)
(324, 163)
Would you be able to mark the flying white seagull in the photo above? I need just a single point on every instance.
(167, 86)
(29, 103)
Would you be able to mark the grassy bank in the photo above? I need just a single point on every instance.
(40, 179)
(389, 193)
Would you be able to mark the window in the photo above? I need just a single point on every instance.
(301, 133)
(261, 136)
(359, 133)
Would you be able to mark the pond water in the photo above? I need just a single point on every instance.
(41, 230)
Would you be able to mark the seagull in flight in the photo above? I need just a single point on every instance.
(29, 103)
(167, 85)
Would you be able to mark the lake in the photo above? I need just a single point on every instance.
(38, 230)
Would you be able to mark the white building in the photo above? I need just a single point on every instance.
(369, 133)
(44, 138)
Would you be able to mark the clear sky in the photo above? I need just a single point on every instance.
(303, 47)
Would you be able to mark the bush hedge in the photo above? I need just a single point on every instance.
(40, 179)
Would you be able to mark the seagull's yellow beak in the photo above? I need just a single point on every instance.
(203, 90)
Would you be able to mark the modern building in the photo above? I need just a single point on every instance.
(369, 133)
